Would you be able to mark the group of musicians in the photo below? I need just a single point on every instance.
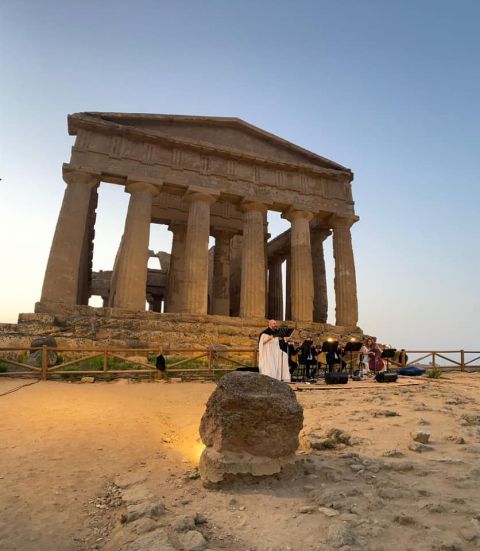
(308, 358)
(284, 359)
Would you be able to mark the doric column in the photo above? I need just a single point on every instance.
(252, 293)
(301, 265)
(176, 271)
(156, 303)
(221, 274)
(320, 301)
(236, 246)
(61, 281)
(275, 289)
(86, 259)
(346, 306)
(130, 274)
(288, 288)
(196, 254)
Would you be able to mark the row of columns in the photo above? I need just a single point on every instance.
(188, 278)
(306, 276)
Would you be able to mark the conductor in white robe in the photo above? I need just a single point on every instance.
(272, 359)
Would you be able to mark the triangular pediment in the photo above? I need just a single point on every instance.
(220, 132)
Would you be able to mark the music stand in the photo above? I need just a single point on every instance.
(284, 331)
(353, 346)
(307, 342)
(387, 354)
(330, 347)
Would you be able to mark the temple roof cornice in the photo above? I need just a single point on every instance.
(94, 122)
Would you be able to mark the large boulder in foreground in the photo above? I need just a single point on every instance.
(250, 425)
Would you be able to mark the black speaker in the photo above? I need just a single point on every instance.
(336, 378)
(386, 377)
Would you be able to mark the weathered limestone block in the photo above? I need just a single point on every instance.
(88, 327)
(250, 425)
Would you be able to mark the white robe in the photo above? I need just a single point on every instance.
(272, 360)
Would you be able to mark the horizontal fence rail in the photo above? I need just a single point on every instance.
(114, 361)
(44, 362)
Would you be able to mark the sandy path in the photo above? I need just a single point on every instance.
(62, 444)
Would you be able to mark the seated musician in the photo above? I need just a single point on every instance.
(340, 354)
(367, 344)
(371, 356)
(307, 358)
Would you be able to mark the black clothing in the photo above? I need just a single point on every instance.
(160, 363)
(266, 331)
(292, 351)
(281, 343)
(307, 358)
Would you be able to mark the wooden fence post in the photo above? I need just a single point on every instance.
(210, 362)
(44, 362)
(462, 360)
(105, 361)
(434, 363)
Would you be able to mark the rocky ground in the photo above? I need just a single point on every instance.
(113, 466)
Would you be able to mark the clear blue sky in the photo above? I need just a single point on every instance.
(388, 88)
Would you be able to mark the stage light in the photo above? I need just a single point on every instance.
(330, 339)
(198, 450)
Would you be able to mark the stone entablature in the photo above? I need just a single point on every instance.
(119, 152)
(168, 209)
(205, 176)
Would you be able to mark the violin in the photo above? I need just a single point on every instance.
(375, 363)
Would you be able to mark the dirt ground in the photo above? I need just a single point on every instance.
(78, 459)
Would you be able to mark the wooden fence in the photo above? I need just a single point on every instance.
(214, 360)
(462, 360)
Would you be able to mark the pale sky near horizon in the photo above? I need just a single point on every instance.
(388, 88)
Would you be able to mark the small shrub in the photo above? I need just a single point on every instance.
(434, 373)
(3, 367)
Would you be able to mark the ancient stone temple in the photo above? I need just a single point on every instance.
(205, 176)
